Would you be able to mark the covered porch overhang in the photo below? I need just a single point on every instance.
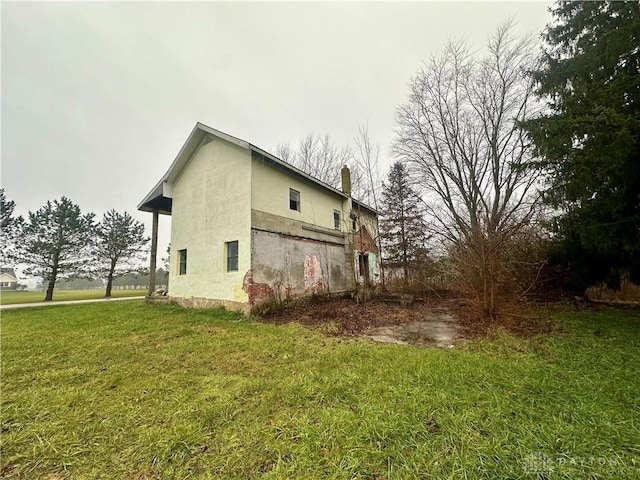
(158, 201)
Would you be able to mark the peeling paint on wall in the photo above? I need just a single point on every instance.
(255, 291)
(292, 266)
(312, 274)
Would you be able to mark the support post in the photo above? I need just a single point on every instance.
(154, 252)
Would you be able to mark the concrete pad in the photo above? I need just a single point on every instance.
(435, 331)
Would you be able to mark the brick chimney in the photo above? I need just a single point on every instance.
(346, 180)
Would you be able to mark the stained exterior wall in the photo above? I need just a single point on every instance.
(369, 246)
(270, 194)
(286, 262)
(285, 267)
(296, 252)
(211, 206)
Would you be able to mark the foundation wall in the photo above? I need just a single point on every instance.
(195, 302)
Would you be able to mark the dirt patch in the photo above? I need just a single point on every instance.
(428, 321)
(344, 316)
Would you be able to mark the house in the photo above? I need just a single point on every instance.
(8, 279)
(246, 227)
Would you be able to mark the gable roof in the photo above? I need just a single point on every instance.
(159, 197)
(8, 271)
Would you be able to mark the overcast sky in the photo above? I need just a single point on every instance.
(98, 98)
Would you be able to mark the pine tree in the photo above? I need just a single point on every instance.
(402, 225)
(120, 242)
(590, 141)
(56, 241)
(10, 228)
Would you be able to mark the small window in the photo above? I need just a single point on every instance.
(232, 256)
(294, 199)
(183, 262)
(336, 219)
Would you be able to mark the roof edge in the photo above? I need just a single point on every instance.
(296, 170)
(180, 161)
(193, 140)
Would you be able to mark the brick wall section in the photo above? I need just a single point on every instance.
(363, 242)
(256, 291)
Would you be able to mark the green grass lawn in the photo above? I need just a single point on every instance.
(135, 391)
(8, 298)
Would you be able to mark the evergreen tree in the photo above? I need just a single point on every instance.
(120, 242)
(10, 227)
(589, 142)
(56, 241)
(402, 225)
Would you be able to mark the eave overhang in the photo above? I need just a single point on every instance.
(160, 197)
(293, 171)
(358, 205)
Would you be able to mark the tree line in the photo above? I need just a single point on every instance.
(514, 167)
(58, 242)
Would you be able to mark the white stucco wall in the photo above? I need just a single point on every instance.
(270, 194)
(211, 206)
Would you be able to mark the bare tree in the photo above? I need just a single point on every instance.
(368, 184)
(285, 152)
(318, 156)
(460, 134)
(366, 164)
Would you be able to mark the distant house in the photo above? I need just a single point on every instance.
(8, 279)
(246, 226)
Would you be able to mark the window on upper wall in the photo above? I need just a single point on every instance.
(182, 267)
(336, 219)
(232, 256)
(294, 199)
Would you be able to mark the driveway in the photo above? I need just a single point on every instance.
(66, 302)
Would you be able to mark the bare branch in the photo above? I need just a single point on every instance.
(459, 134)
